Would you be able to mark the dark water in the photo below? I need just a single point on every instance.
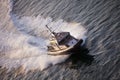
(102, 20)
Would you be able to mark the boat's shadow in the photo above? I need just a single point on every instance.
(79, 57)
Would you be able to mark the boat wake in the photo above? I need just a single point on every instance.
(29, 48)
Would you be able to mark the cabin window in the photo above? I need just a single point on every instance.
(72, 42)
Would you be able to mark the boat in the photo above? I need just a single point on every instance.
(62, 43)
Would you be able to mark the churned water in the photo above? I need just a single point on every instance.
(24, 37)
(29, 49)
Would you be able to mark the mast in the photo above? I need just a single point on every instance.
(53, 36)
(50, 30)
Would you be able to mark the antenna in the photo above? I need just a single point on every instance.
(49, 29)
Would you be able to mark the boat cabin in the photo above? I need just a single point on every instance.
(61, 40)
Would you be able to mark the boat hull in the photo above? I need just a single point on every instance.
(66, 51)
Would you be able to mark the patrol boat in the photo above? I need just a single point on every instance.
(62, 43)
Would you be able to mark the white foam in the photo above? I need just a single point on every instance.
(29, 49)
